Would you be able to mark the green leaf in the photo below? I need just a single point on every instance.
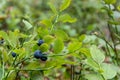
(21, 52)
(65, 4)
(4, 36)
(48, 39)
(58, 45)
(110, 1)
(117, 36)
(1, 72)
(42, 32)
(114, 22)
(5, 55)
(32, 65)
(92, 63)
(85, 51)
(44, 47)
(82, 37)
(13, 39)
(27, 24)
(36, 75)
(67, 18)
(12, 75)
(52, 7)
(96, 54)
(47, 23)
(73, 46)
(109, 71)
(93, 77)
(61, 34)
(118, 7)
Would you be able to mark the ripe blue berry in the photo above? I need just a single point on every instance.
(1, 41)
(43, 57)
(14, 54)
(37, 54)
(40, 42)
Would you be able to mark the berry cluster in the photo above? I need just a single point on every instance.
(38, 54)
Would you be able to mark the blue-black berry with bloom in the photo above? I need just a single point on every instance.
(40, 42)
(43, 57)
(37, 54)
(1, 41)
(14, 54)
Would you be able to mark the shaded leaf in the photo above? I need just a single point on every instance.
(92, 63)
(93, 77)
(52, 7)
(109, 71)
(96, 54)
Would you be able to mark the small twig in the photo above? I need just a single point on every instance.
(55, 21)
(72, 72)
(44, 69)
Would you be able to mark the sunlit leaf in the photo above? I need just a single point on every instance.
(58, 45)
(47, 23)
(27, 24)
(48, 39)
(67, 18)
(85, 51)
(110, 1)
(61, 34)
(65, 4)
(73, 46)
(44, 47)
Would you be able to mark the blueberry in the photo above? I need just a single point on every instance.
(37, 54)
(40, 42)
(43, 57)
(1, 41)
(14, 54)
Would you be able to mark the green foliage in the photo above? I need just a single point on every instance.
(110, 1)
(83, 50)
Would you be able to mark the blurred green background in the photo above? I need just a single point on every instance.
(89, 14)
